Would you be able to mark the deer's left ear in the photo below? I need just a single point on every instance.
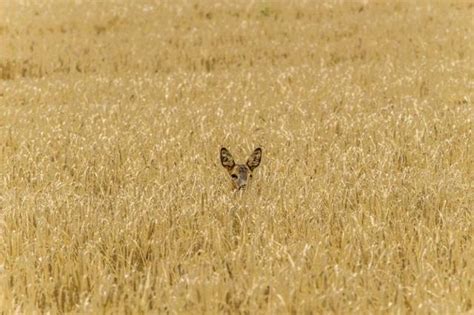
(226, 159)
(254, 159)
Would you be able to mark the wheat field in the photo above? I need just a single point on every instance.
(113, 199)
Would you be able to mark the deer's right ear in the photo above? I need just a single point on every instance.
(254, 159)
(226, 159)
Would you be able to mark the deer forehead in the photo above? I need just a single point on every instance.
(240, 169)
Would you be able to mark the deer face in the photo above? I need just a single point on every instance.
(240, 174)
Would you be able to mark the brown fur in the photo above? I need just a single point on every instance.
(240, 174)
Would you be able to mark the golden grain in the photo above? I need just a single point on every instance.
(113, 198)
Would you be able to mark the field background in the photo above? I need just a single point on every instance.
(113, 198)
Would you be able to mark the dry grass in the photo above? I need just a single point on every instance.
(113, 198)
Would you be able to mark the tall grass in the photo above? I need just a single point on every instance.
(113, 198)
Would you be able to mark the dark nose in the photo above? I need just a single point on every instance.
(242, 186)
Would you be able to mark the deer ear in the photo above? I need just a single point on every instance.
(254, 159)
(226, 159)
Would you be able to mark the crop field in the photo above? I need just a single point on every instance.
(113, 199)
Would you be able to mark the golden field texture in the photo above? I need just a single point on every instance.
(113, 198)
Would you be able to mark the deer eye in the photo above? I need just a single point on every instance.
(234, 176)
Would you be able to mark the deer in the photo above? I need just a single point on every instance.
(240, 174)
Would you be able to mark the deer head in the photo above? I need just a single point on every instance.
(240, 174)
